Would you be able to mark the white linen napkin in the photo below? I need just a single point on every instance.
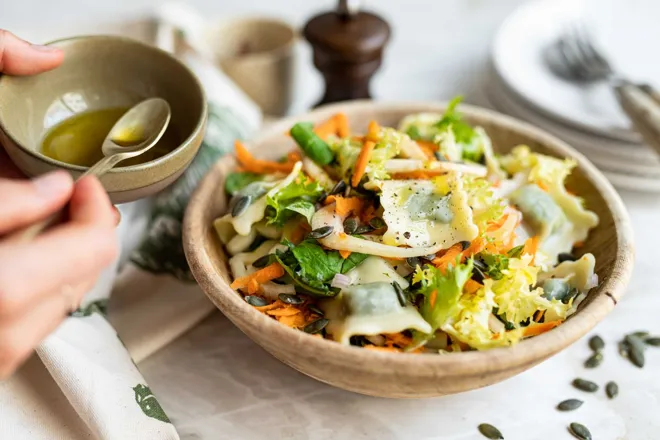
(154, 300)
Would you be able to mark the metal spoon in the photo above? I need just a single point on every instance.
(132, 135)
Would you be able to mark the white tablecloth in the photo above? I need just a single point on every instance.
(214, 383)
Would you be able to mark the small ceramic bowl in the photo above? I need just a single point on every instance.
(101, 72)
(399, 374)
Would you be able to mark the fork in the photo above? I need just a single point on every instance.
(576, 58)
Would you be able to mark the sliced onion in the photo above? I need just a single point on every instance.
(327, 217)
(341, 281)
(593, 282)
(407, 165)
(411, 149)
(317, 173)
(495, 325)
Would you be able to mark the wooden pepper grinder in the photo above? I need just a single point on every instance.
(348, 49)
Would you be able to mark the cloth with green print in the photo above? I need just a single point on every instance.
(147, 298)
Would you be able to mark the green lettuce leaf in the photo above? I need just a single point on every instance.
(463, 135)
(312, 268)
(296, 198)
(496, 264)
(447, 286)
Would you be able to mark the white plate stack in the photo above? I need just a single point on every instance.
(587, 117)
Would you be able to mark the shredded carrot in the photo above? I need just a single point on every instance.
(531, 246)
(293, 156)
(345, 205)
(368, 213)
(449, 257)
(477, 245)
(429, 148)
(434, 296)
(258, 166)
(362, 162)
(345, 254)
(261, 276)
(471, 286)
(537, 329)
(274, 305)
(341, 121)
(253, 286)
(373, 131)
(398, 339)
(284, 311)
(326, 128)
(377, 348)
(294, 321)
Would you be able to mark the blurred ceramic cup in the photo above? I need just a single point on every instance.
(258, 54)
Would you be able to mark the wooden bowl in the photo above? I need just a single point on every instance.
(409, 375)
(101, 72)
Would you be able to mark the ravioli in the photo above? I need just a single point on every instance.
(370, 309)
(418, 215)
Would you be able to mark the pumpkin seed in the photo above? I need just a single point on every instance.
(580, 431)
(241, 205)
(596, 343)
(290, 299)
(624, 348)
(465, 244)
(363, 229)
(569, 405)
(643, 334)
(350, 225)
(312, 308)
(585, 385)
(566, 256)
(655, 341)
(338, 188)
(489, 431)
(262, 262)
(439, 156)
(399, 294)
(636, 356)
(256, 301)
(316, 326)
(377, 223)
(612, 390)
(321, 232)
(429, 257)
(322, 197)
(413, 262)
(594, 361)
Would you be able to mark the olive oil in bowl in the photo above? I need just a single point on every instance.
(78, 140)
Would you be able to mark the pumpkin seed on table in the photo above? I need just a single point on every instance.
(635, 349)
(653, 341)
(489, 431)
(290, 299)
(321, 232)
(256, 301)
(596, 343)
(595, 360)
(316, 326)
(585, 385)
(350, 225)
(580, 431)
(569, 405)
(612, 390)
(241, 205)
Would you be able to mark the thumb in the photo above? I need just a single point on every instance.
(18, 57)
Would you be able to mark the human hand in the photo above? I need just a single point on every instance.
(42, 280)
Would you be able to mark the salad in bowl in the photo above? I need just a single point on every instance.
(414, 239)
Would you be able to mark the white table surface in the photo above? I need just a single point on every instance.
(215, 383)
